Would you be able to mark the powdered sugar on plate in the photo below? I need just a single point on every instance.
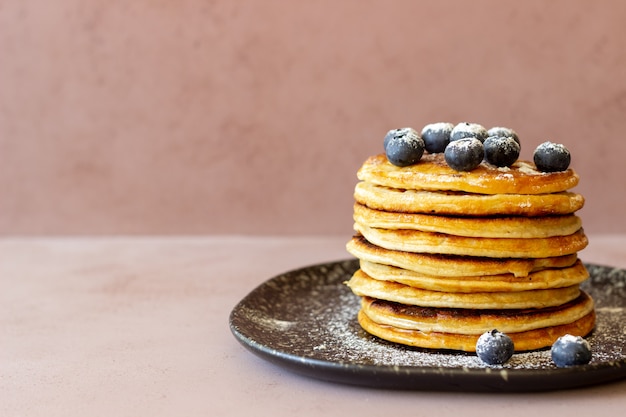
(306, 319)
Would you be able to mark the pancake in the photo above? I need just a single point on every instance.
(363, 285)
(493, 227)
(433, 173)
(426, 242)
(452, 265)
(448, 255)
(546, 278)
(523, 341)
(450, 203)
(470, 321)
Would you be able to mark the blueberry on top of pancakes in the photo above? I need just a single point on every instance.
(436, 136)
(404, 147)
(501, 151)
(551, 157)
(505, 132)
(464, 154)
(468, 130)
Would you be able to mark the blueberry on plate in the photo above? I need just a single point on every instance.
(501, 151)
(395, 132)
(468, 130)
(504, 131)
(494, 347)
(570, 350)
(551, 157)
(404, 148)
(436, 136)
(464, 154)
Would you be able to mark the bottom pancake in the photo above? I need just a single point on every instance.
(523, 341)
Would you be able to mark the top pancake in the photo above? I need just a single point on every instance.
(433, 173)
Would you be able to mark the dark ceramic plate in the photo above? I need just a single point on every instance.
(305, 320)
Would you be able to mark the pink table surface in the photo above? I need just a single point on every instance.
(139, 326)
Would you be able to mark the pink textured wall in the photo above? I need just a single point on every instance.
(252, 116)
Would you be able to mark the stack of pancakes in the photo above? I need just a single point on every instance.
(446, 256)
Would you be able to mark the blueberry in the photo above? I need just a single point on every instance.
(436, 136)
(464, 154)
(551, 157)
(494, 347)
(501, 151)
(504, 131)
(395, 132)
(570, 350)
(404, 148)
(468, 130)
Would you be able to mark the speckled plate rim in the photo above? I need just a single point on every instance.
(388, 376)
